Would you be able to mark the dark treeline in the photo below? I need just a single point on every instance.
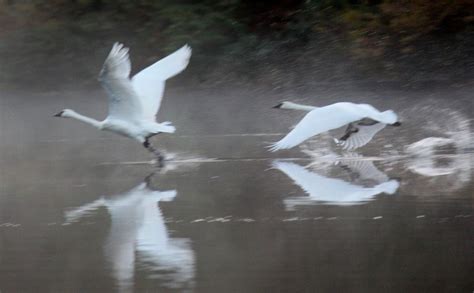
(389, 36)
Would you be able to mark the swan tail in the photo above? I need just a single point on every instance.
(164, 127)
(167, 128)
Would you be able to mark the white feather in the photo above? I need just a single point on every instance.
(124, 103)
(150, 82)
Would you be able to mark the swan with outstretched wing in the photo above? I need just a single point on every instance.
(361, 118)
(134, 102)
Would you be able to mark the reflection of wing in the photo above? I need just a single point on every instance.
(173, 258)
(359, 134)
(365, 169)
(152, 234)
(84, 210)
(119, 247)
(331, 190)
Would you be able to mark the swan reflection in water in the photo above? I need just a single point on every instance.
(138, 231)
(334, 191)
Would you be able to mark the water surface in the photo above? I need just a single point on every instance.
(85, 211)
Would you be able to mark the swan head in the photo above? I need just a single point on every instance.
(66, 113)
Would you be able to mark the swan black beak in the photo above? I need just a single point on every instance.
(396, 124)
(58, 114)
(278, 106)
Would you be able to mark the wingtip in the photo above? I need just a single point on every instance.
(187, 49)
(116, 47)
(273, 147)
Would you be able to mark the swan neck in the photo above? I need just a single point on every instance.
(300, 107)
(85, 119)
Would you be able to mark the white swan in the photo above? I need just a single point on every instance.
(138, 231)
(326, 190)
(133, 103)
(363, 121)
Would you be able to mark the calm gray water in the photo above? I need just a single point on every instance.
(83, 211)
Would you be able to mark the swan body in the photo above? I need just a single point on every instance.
(134, 102)
(322, 119)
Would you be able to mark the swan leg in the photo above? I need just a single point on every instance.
(157, 153)
(349, 131)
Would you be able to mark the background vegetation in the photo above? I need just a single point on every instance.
(321, 39)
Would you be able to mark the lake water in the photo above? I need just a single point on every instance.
(84, 211)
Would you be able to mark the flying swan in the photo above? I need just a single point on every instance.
(363, 122)
(134, 102)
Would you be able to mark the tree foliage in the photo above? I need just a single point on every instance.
(243, 31)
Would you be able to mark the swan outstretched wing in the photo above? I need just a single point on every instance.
(359, 134)
(315, 122)
(150, 82)
(124, 103)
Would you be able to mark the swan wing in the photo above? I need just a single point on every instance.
(316, 186)
(315, 122)
(359, 134)
(124, 103)
(150, 82)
